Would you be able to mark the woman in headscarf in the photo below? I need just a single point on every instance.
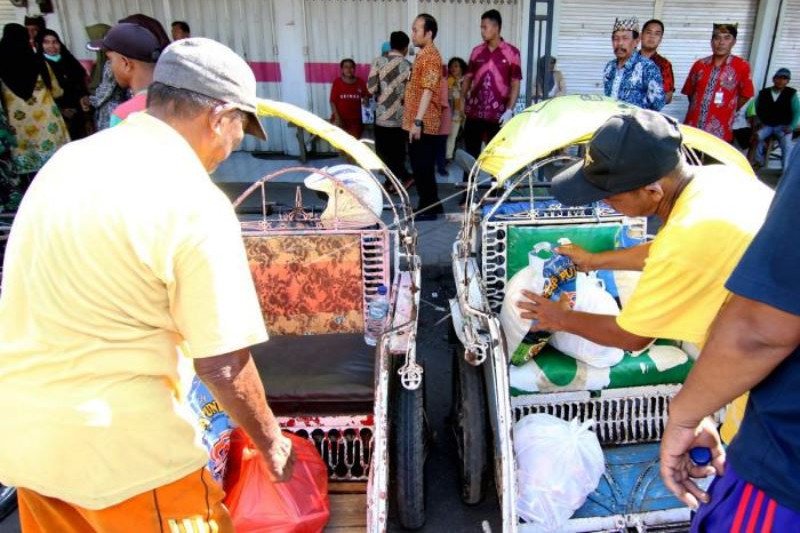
(29, 88)
(74, 104)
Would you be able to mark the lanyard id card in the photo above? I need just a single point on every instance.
(718, 98)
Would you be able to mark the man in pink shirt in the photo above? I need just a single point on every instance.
(491, 84)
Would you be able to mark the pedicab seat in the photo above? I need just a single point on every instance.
(323, 374)
(313, 288)
(551, 370)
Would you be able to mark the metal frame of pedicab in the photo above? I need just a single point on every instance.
(356, 447)
(627, 415)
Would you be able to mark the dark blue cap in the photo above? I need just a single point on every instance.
(629, 151)
(700, 456)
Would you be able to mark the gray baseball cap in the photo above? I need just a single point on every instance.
(212, 69)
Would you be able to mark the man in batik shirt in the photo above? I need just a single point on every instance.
(718, 85)
(631, 77)
(491, 84)
(652, 33)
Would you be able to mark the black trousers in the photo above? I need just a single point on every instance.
(390, 145)
(423, 160)
(476, 132)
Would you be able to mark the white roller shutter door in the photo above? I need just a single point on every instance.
(584, 38)
(786, 50)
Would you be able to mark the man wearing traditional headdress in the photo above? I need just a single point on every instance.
(631, 77)
(718, 85)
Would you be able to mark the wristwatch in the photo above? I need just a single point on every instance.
(417, 122)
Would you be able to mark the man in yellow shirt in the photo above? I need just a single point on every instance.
(110, 276)
(710, 215)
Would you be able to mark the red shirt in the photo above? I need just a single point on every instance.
(346, 98)
(715, 93)
(491, 73)
(665, 67)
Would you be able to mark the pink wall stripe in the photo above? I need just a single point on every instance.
(327, 72)
(266, 71)
(270, 71)
(87, 64)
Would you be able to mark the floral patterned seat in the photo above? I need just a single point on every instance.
(308, 284)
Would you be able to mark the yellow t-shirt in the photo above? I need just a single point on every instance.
(683, 282)
(122, 252)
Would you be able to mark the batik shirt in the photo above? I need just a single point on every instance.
(426, 73)
(387, 81)
(714, 94)
(491, 73)
(638, 82)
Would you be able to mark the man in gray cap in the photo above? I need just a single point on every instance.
(710, 215)
(775, 113)
(110, 280)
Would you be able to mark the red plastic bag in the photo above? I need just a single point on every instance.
(259, 505)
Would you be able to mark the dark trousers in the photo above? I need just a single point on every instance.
(390, 145)
(423, 159)
(476, 132)
(441, 153)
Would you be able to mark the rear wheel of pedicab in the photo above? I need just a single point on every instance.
(470, 427)
(408, 455)
(8, 500)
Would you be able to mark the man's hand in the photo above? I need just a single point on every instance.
(506, 116)
(677, 468)
(414, 134)
(583, 260)
(279, 458)
(549, 315)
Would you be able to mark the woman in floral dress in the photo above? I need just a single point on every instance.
(28, 88)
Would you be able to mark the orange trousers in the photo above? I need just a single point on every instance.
(192, 504)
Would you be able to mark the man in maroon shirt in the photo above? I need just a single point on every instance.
(491, 84)
(652, 33)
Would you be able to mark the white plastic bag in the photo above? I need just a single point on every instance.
(590, 297)
(558, 465)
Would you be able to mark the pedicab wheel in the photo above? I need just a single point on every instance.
(408, 456)
(470, 427)
(8, 500)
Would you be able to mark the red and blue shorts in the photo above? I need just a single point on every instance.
(738, 506)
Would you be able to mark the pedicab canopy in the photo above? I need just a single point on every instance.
(565, 120)
(315, 125)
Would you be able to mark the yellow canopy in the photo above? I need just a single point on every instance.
(559, 122)
(334, 135)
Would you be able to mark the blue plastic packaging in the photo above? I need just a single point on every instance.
(215, 424)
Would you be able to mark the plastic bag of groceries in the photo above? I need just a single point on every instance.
(260, 505)
(559, 464)
(549, 274)
(215, 425)
(590, 297)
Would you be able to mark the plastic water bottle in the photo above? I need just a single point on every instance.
(377, 310)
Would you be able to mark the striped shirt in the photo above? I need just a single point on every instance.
(387, 82)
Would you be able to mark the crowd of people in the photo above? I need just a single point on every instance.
(422, 112)
(48, 98)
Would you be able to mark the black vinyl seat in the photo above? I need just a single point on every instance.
(317, 374)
